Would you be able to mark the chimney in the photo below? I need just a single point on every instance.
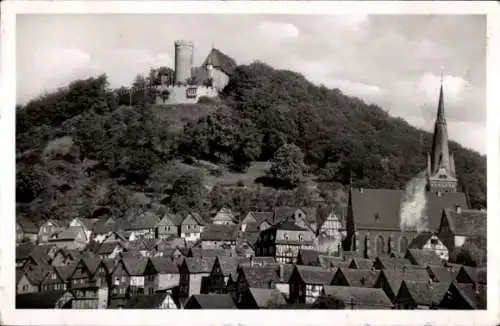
(458, 209)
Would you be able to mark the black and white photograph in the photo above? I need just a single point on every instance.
(250, 161)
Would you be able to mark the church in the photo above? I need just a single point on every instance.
(372, 226)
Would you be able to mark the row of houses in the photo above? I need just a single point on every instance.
(208, 279)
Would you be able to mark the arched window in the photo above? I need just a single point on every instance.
(301, 237)
(403, 244)
(379, 245)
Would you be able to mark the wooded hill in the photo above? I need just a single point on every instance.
(81, 149)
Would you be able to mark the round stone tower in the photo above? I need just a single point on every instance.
(183, 61)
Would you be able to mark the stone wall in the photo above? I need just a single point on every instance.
(180, 94)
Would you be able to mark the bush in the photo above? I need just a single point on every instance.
(207, 100)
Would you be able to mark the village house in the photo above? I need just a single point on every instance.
(283, 241)
(25, 229)
(331, 226)
(346, 297)
(210, 301)
(169, 226)
(308, 257)
(355, 277)
(306, 283)
(420, 295)
(73, 238)
(254, 277)
(218, 236)
(430, 241)
(57, 279)
(284, 273)
(390, 280)
(65, 257)
(85, 223)
(102, 229)
(224, 274)
(110, 250)
(257, 298)
(29, 279)
(144, 225)
(161, 273)
(161, 300)
(86, 290)
(191, 227)
(127, 279)
(45, 300)
(224, 217)
(41, 256)
(47, 229)
(192, 270)
(459, 224)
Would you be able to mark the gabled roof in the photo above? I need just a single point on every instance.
(261, 261)
(367, 204)
(41, 254)
(329, 262)
(360, 296)
(361, 263)
(38, 300)
(172, 218)
(423, 257)
(314, 274)
(442, 274)
(69, 234)
(36, 274)
(426, 293)
(420, 240)
(224, 214)
(164, 265)
(264, 216)
(359, 277)
(197, 217)
(476, 298)
(215, 232)
(108, 247)
(396, 277)
(392, 263)
(288, 226)
(87, 222)
(197, 265)
(267, 297)
(311, 214)
(103, 227)
(212, 301)
(229, 265)
(148, 301)
(65, 272)
(476, 275)
(468, 222)
(24, 250)
(309, 257)
(27, 226)
(283, 214)
(134, 265)
(215, 252)
(260, 277)
(220, 61)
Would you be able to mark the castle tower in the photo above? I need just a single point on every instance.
(440, 164)
(183, 61)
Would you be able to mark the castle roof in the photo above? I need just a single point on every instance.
(220, 61)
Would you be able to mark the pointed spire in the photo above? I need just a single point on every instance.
(440, 113)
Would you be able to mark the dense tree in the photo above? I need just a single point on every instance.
(188, 192)
(31, 181)
(288, 165)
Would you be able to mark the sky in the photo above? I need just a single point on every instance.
(394, 61)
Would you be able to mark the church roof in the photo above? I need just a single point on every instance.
(220, 61)
(379, 209)
(467, 222)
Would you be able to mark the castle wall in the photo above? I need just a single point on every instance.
(180, 94)
(183, 61)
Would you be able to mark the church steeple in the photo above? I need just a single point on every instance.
(441, 168)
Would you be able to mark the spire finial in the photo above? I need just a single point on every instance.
(442, 74)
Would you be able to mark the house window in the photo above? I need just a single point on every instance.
(124, 278)
(434, 241)
(285, 236)
(301, 237)
(53, 276)
(25, 287)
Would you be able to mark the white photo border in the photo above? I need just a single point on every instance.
(10, 316)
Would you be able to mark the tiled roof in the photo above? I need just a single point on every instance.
(386, 204)
(69, 234)
(315, 274)
(467, 223)
(199, 252)
(476, 274)
(215, 232)
(442, 274)
(309, 257)
(264, 216)
(283, 214)
(135, 265)
(109, 264)
(148, 301)
(361, 263)
(27, 225)
(36, 274)
(224, 214)
(288, 226)
(426, 293)
(199, 264)
(420, 240)
(311, 214)
(220, 61)
(359, 296)
(212, 301)
(87, 222)
(476, 298)
(392, 263)
(38, 300)
(107, 247)
(229, 265)
(260, 277)
(332, 262)
(103, 227)
(24, 250)
(65, 272)
(164, 265)
(360, 277)
(175, 219)
(41, 254)
(396, 277)
(423, 257)
(267, 297)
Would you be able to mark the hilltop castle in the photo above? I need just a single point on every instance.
(188, 83)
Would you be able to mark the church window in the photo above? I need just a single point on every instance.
(285, 236)
(301, 237)
(403, 244)
(379, 245)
